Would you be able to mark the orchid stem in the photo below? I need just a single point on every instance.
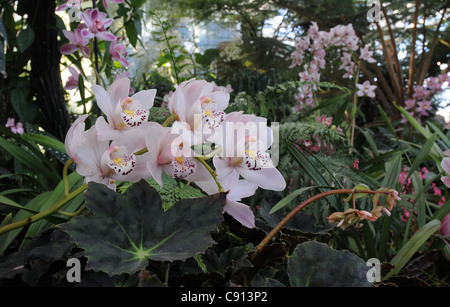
(72, 214)
(212, 172)
(66, 181)
(170, 119)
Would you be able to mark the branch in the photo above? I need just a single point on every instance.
(412, 60)
(394, 46)
(426, 63)
(390, 67)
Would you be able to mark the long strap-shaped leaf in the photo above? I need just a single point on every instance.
(312, 171)
(408, 250)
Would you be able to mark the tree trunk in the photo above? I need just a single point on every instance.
(45, 70)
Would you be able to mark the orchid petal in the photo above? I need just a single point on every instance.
(242, 213)
(268, 178)
(146, 98)
(106, 36)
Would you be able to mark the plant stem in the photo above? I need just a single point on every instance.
(170, 119)
(45, 213)
(212, 172)
(355, 100)
(72, 214)
(297, 209)
(66, 182)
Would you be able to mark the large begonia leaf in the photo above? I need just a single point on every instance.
(123, 231)
(315, 264)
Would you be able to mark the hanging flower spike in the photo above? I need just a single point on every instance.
(97, 23)
(79, 39)
(349, 217)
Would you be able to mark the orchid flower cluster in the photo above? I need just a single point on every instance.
(353, 216)
(123, 145)
(94, 24)
(313, 48)
(421, 102)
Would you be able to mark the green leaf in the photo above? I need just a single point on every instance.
(435, 152)
(286, 200)
(315, 264)
(10, 203)
(423, 153)
(123, 231)
(359, 187)
(419, 199)
(411, 247)
(390, 180)
(132, 32)
(25, 39)
(46, 141)
(25, 108)
(37, 163)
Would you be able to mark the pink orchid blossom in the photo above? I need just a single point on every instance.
(420, 92)
(410, 104)
(327, 121)
(105, 2)
(79, 39)
(102, 162)
(11, 122)
(70, 4)
(72, 82)
(424, 106)
(366, 55)
(97, 22)
(366, 89)
(118, 52)
(244, 142)
(445, 164)
(199, 109)
(122, 112)
(16, 129)
(75, 137)
(167, 153)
